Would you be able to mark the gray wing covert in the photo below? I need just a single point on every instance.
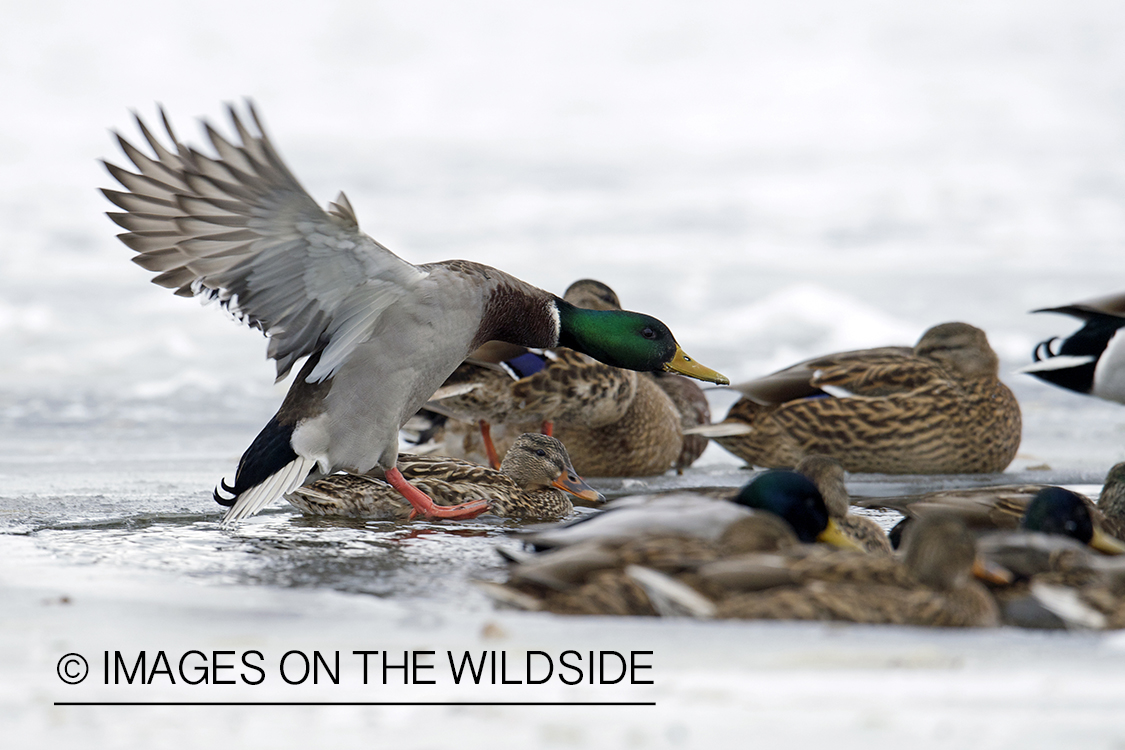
(240, 228)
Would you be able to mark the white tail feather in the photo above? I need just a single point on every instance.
(275, 487)
(508, 597)
(1061, 362)
(449, 391)
(1066, 603)
(669, 597)
(720, 429)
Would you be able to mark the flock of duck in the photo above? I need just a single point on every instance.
(473, 364)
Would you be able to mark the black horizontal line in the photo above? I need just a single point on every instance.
(354, 703)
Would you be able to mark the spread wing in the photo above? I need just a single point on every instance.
(239, 228)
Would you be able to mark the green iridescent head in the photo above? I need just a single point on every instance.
(1055, 510)
(629, 340)
(797, 500)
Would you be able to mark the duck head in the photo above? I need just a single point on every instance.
(960, 347)
(939, 551)
(1055, 510)
(592, 295)
(797, 500)
(632, 341)
(537, 461)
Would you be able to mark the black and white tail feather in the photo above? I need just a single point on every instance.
(239, 228)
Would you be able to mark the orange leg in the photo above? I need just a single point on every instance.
(489, 447)
(548, 428)
(424, 506)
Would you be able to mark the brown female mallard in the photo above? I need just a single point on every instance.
(1111, 501)
(531, 484)
(378, 335)
(931, 585)
(615, 422)
(936, 408)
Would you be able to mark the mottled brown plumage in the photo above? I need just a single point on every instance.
(687, 397)
(530, 485)
(1037, 560)
(615, 422)
(692, 406)
(571, 388)
(938, 408)
(1111, 501)
(589, 578)
(1001, 507)
(931, 586)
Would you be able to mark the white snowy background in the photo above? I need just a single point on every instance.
(775, 180)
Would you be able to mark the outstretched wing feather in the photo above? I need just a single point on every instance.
(238, 227)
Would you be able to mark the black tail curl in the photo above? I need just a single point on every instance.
(270, 452)
(226, 502)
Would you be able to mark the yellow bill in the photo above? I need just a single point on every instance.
(1103, 542)
(685, 365)
(835, 536)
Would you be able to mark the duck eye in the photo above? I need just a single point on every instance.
(648, 333)
(541, 452)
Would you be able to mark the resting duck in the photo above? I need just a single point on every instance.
(379, 335)
(1031, 507)
(615, 422)
(531, 484)
(938, 408)
(1054, 567)
(931, 585)
(1092, 359)
(772, 577)
(786, 494)
(580, 568)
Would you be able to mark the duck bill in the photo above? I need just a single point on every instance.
(1103, 542)
(685, 365)
(572, 483)
(990, 572)
(835, 536)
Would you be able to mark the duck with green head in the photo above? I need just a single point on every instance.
(1056, 510)
(582, 565)
(615, 422)
(378, 334)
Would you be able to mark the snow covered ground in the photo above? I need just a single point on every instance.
(774, 180)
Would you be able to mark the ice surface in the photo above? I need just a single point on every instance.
(774, 180)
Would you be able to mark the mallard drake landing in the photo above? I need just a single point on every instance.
(379, 334)
(1092, 359)
(936, 408)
